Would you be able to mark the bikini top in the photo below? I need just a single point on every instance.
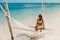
(39, 22)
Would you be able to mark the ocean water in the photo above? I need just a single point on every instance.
(27, 13)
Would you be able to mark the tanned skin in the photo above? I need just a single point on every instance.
(40, 24)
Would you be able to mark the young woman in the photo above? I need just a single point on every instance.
(40, 24)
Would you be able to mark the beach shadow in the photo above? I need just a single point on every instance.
(36, 37)
(31, 38)
(23, 34)
(40, 36)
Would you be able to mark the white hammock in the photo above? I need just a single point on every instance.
(19, 25)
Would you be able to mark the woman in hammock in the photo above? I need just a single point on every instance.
(40, 24)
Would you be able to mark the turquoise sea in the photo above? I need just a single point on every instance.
(27, 13)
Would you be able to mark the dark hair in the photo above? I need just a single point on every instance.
(40, 17)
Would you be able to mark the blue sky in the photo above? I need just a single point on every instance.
(31, 1)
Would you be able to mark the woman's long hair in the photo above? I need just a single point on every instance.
(40, 17)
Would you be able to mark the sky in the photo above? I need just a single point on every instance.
(31, 1)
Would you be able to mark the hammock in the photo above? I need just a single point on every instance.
(18, 25)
